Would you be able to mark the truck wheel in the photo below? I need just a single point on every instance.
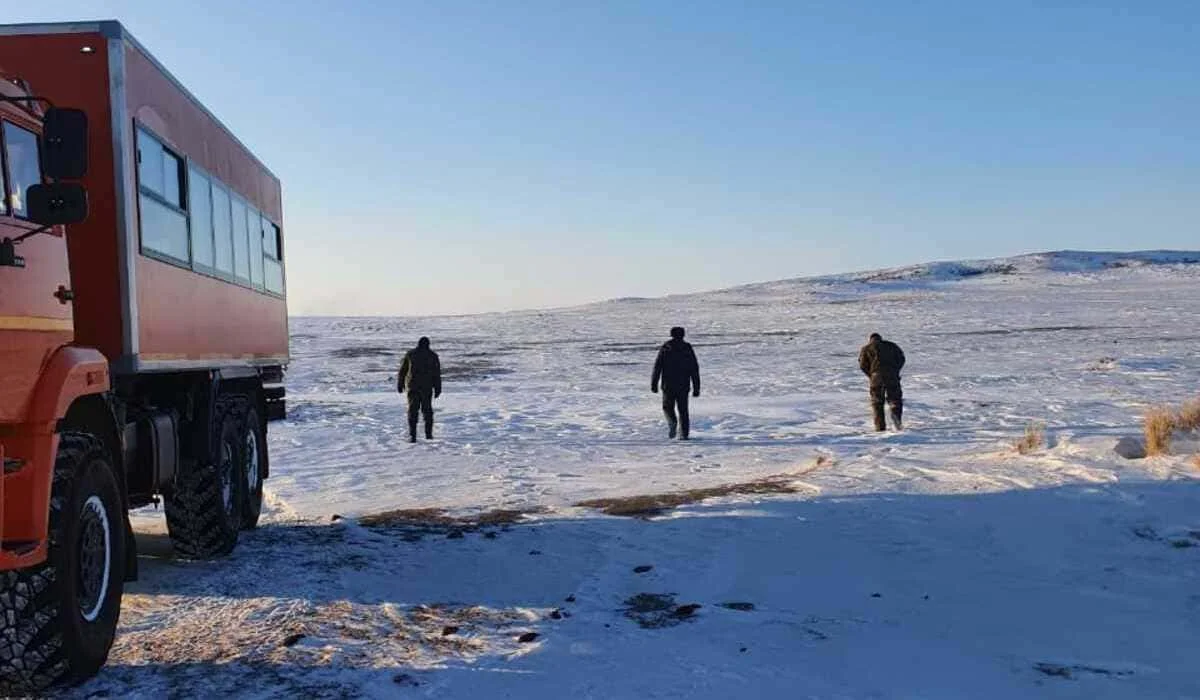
(60, 618)
(204, 513)
(254, 454)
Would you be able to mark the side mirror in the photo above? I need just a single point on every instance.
(64, 144)
(56, 205)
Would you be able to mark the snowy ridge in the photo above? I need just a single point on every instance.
(1035, 269)
(1058, 261)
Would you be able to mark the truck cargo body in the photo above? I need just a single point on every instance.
(172, 270)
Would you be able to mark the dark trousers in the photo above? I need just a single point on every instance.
(888, 391)
(420, 401)
(673, 400)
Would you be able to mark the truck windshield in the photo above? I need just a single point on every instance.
(24, 168)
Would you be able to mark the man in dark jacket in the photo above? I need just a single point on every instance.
(882, 360)
(421, 378)
(679, 370)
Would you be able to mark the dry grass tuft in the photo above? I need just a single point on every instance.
(434, 519)
(1034, 438)
(656, 504)
(427, 517)
(1188, 417)
(1196, 462)
(1162, 423)
(1158, 426)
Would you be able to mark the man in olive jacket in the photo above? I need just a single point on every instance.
(679, 370)
(882, 360)
(421, 378)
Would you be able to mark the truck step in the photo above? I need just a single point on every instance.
(18, 547)
(12, 466)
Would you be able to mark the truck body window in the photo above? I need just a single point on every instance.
(241, 241)
(24, 166)
(150, 162)
(270, 239)
(200, 211)
(164, 230)
(160, 204)
(254, 225)
(191, 217)
(272, 258)
(223, 229)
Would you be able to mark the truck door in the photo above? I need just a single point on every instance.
(35, 316)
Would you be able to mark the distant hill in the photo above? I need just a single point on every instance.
(1057, 261)
(932, 273)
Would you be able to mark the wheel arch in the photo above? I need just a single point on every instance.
(95, 414)
(68, 376)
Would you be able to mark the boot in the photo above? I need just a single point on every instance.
(897, 413)
(671, 428)
(412, 432)
(880, 421)
(429, 431)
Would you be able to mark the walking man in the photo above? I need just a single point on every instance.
(421, 378)
(679, 371)
(882, 360)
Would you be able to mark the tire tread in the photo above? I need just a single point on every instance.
(32, 655)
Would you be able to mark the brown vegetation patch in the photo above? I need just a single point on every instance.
(1162, 423)
(434, 521)
(1188, 416)
(1033, 440)
(1158, 425)
(656, 504)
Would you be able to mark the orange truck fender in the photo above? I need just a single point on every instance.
(70, 374)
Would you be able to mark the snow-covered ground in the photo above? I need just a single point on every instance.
(934, 563)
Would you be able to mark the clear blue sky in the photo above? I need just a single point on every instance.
(442, 157)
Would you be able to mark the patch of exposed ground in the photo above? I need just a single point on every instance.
(956, 270)
(658, 610)
(272, 616)
(309, 411)
(1071, 671)
(294, 644)
(1031, 329)
(415, 523)
(356, 352)
(470, 368)
(646, 506)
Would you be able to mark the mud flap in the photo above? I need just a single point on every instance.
(131, 558)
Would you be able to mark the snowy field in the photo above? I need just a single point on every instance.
(934, 563)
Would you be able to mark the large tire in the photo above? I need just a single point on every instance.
(204, 513)
(254, 465)
(59, 619)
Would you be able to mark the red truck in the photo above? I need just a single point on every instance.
(143, 334)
